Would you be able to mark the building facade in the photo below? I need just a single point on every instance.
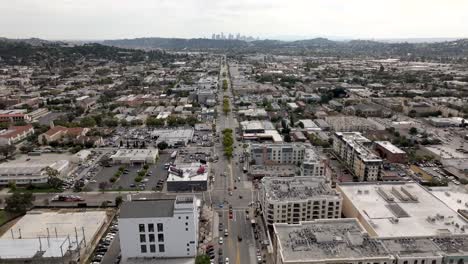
(164, 228)
(354, 150)
(288, 153)
(294, 199)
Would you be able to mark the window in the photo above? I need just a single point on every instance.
(161, 248)
(160, 227)
(143, 248)
(142, 238)
(150, 227)
(141, 227)
(152, 248)
(151, 237)
(186, 229)
(186, 223)
(160, 237)
(186, 217)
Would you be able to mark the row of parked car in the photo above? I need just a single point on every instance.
(105, 243)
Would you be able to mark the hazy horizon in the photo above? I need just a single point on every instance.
(118, 19)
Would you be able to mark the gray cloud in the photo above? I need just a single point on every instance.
(106, 19)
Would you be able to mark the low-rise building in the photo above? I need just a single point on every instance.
(260, 130)
(390, 152)
(57, 133)
(14, 116)
(15, 134)
(23, 173)
(164, 228)
(294, 199)
(399, 209)
(135, 156)
(188, 177)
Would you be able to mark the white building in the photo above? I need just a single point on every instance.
(294, 199)
(23, 173)
(81, 156)
(328, 241)
(188, 177)
(288, 153)
(135, 156)
(354, 150)
(164, 228)
(400, 209)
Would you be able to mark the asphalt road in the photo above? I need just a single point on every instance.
(235, 181)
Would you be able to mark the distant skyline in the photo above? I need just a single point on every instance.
(337, 19)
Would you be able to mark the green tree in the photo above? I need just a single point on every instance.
(87, 122)
(118, 200)
(19, 202)
(162, 145)
(413, 131)
(202, 259)
(154, 122)
(7, 150)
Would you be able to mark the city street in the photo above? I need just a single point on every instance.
(232, 188)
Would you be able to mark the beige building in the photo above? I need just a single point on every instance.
(294, 199)
(354, 150)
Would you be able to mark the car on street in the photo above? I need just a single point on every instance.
(220, 240)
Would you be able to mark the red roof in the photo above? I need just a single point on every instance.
(72, 131)
(15, 130)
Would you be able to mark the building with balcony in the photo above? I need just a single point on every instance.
(294, 199)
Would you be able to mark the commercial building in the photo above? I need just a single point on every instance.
(294, 199)
(188, 177)
(59, 236)
(135, 156)
(260, 130)
(288, 153)
(390, 152)
(164, 228)
(327, 241)
(354, 150)
(414, 250)
(173, 137)
(23, 173)
(399, 209)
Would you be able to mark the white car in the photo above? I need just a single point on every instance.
(226, 261)
(220, 241)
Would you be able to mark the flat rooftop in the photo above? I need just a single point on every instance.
(327, 241)
(189, 172)
(397, 209)
(135, 153)
(147, 208)
(171, 135)
(390, 147)
(297, 188)
(57, 225)
(36, 222)
(412, 247)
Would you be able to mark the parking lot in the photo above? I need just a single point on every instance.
(126, 181)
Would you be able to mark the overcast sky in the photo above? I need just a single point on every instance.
(111, 19)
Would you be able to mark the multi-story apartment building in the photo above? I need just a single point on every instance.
(288, 153)
(164, 228)
(354, 150)
(295, 199)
